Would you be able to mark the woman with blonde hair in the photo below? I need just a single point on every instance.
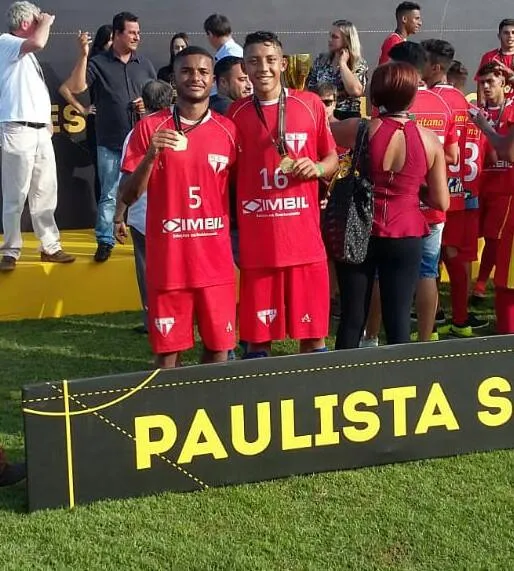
(344, 67)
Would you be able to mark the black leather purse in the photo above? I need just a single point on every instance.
(348, 216)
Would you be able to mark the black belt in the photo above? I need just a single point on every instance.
(33, 125)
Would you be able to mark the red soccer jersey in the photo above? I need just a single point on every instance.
(187, 227)
(459, 106)
(497, 174)
(506, 59)
(278, 214)
(473, 160)
(389, 43)
(433, 113)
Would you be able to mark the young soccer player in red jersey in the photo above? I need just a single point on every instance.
(503, 56)
(183, 155)
(460, 235)
(497, 177)
(285, 147)
(408, 22)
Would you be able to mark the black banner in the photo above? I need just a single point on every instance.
(195, 427)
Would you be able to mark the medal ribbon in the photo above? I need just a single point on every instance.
(178, 122)
(280, 142)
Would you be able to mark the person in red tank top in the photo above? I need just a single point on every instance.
(183, 156)
(460, 237)
(503, 56)
(285, 147)
(398, 173)
(496, 180)
(408, 22)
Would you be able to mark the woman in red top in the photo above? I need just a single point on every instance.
(403, 158)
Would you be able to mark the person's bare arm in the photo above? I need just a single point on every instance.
(451, 154)
(503, 144)
(68, 96)
(76, 83)
(352, 85)
(39, 38)
(436, 194)
(345, 132)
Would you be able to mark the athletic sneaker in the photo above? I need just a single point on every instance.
(477, 322)
(440, 317)
(371, 342)
(415, 336)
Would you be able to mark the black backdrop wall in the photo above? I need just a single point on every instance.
(471, 25)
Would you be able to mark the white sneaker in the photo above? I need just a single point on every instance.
(371, 342)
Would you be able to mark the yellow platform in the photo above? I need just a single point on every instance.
(35, 290)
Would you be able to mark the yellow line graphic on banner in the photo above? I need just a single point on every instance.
(99, 407)
(69, 450)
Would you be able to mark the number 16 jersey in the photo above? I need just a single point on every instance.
(278, 214)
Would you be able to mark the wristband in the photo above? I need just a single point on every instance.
(320, 169)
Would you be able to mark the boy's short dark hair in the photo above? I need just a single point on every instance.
(218, 25)
(192, 51)
(410, 52)
(157, 95)
(504, 23)
(405, 7)
(262, 37)
(324, 89)
(440, 52)
(224, 65)
(118, 22)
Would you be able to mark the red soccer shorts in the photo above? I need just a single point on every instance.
(171, 318)
(461, 232)
(493, 208)
(279, 302)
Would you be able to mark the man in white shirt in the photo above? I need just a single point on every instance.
(28, 160)
(219, 33)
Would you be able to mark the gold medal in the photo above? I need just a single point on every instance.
(286, 164)
(181, 143)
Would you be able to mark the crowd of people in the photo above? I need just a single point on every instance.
(214, 160)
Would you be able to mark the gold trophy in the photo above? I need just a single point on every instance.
(298, 67)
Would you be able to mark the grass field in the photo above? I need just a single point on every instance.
(450, 514)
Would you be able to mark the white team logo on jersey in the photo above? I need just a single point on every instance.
(306, 318)
(218, 162)
(267, 316)
(229, 328)
(296, 141)
(164, 325)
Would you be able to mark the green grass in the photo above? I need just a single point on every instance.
(456, 513)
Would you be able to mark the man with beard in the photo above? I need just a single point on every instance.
(285, 148)
(232, 83)
(183, 156)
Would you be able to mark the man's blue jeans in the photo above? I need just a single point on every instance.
(108, 173)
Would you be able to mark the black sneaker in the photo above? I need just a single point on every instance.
(440, 317)
(103, 252)
(12, 474)
(477, 322)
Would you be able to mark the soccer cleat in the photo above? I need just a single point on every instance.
(255, 355)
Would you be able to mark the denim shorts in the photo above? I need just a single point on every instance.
(431, 252)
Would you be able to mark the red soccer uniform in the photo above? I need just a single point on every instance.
(189, 264)
(459, 106)
(278, 215)
(433, 113)
(497, 179)
(282, 252)
(389, 43)
(473, 160)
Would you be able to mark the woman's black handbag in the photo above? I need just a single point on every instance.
(348, 215)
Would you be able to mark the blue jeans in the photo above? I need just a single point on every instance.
(108, 173)
(429, 268)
